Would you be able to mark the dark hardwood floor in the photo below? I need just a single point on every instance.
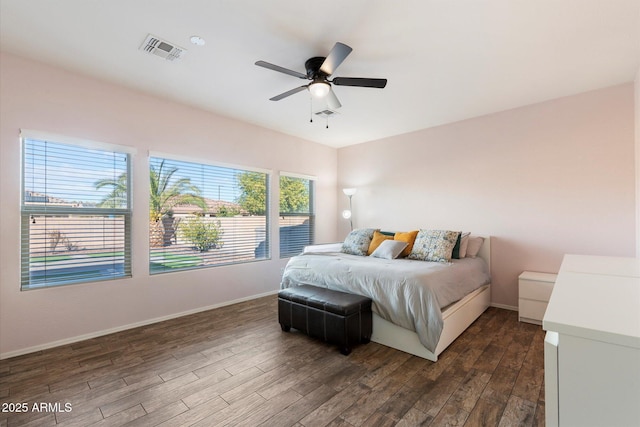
(234, 366)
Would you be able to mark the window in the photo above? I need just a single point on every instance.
(296, 214)
(75, 213)
(205, 215)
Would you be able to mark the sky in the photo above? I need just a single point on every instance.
(70, 172)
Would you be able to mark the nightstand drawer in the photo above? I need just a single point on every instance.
(534, 292)
(537, 286)
(529, 310)
(540, 291)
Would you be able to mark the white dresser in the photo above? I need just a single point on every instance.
(592, 347)
(534, 291)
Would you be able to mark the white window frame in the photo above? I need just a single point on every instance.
(29, 212)
(206, 163)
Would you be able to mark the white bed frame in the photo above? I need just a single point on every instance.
(457, 317)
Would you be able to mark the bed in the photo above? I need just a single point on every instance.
(410, 314)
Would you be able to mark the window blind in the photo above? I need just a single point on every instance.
(297, 216)
(205, 215)
(75, 214)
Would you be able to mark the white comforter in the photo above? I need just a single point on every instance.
(405, 292)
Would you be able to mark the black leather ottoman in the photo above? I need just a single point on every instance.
(337, 317)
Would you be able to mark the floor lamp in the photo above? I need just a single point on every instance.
(347, 213)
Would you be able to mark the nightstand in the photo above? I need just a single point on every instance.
(534, 291)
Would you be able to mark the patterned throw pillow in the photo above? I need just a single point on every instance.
(434, 245)
(357, 242)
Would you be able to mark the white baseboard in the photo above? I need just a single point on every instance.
(506, 307)
(96, 334)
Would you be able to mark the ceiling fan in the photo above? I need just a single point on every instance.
(319, 69)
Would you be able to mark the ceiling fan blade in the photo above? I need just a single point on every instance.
(338, 54)
(280, 69)
(288, 93)
(359, 81)
(332, 101)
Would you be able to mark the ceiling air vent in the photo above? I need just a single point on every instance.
(326, 113)
(162, 48)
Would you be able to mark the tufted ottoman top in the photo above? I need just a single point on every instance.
(337, 302)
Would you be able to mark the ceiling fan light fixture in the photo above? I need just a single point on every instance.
(319, 89)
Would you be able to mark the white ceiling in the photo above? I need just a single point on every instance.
(445, 60)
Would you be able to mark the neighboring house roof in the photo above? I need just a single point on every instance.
(33, 197)
(213, 208)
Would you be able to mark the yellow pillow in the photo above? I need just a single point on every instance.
(377, 240)
(409, 237)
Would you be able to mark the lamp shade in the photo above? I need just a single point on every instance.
(349, 191)
(346, 214)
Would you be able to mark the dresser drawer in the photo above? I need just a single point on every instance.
(529, 310)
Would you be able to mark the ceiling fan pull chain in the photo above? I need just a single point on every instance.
(327, 122)
(310, 110)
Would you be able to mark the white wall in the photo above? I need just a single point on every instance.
(543, 180)
(637, 147)
(44, 98)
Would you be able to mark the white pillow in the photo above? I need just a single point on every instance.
(475, 243)
(389, 249)
(464, 242)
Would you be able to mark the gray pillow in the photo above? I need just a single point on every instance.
(389, 249)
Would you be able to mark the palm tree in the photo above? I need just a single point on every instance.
(165, 194)
(117, 198)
